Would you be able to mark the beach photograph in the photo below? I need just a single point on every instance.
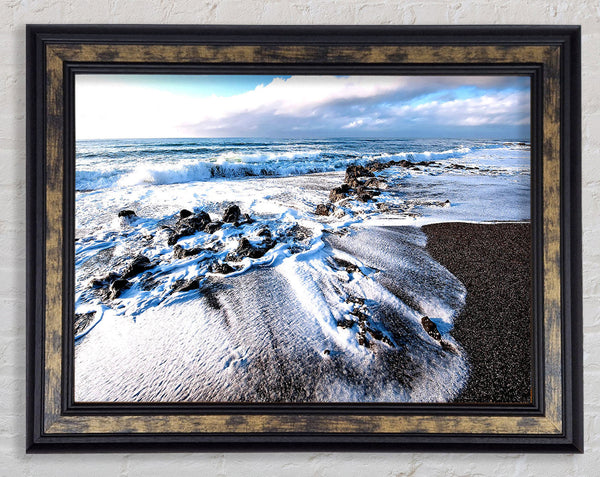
(302, 239)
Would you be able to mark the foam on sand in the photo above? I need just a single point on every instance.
(282, 305)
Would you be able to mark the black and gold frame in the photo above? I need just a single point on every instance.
(550, 56)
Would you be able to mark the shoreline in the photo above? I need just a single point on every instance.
(493, 261)
(345, 337)
(355, 303)
(494, 322)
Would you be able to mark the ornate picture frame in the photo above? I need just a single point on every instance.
(549, 55)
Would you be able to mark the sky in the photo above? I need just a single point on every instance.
(177, 106)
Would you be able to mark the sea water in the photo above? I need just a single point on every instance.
(286, 326)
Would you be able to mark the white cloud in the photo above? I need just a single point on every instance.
(109, 109)
(354, 124)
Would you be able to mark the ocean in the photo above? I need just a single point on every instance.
(280, 304)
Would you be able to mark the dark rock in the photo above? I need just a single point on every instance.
(127, 213)
(246, 219)
(179, 233)
(104, 281)
(375, 183)
(448, 347)
(341, 232)
(215, 246)
(378, 166)
(300, 233)
(246, 249)
(264, 232)
(82, 321)
(195, 222)
(232, 214)
(354, 182)
(387, 341)
(361, 315)
(183, 213)
(186, 285)
(365, 196)
(117, 287)
(148, 281)
(378, 335)
(346, 323)
(339, 193)
(175, 236)
(362, 340)
(179, 252)
(353, 172)
(431, 328)
(138, 265)
(348, 266)
(188, 225)
(223, 268)
(323, 209)
(355, 299)
(456, 166)
(212, 227)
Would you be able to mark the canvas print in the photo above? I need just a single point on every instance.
(302, 239)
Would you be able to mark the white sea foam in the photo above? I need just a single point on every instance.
(107, 165)
(269, 331)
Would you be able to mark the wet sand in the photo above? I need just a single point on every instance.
(493, 261)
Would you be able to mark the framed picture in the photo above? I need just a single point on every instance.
(281, 238)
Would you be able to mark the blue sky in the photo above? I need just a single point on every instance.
(150, 106)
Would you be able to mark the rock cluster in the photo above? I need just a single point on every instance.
(432, 330)
(246, 249)
(222, 268)
(233, 215)
(187, 223)
(183, 285)
(361, 183)
(114, 284)
(359, 318)
(82, 322)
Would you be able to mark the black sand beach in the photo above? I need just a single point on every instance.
(493, 261)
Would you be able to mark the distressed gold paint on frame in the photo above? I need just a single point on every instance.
(293, 54)
(54, 237)
(303, 423)
(551, 237)
(56, 424)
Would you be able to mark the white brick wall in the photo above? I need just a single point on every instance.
(14, 14)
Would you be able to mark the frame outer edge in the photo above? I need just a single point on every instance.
(30, 243)
(574, 230)
(35, 225)
(34, 38)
